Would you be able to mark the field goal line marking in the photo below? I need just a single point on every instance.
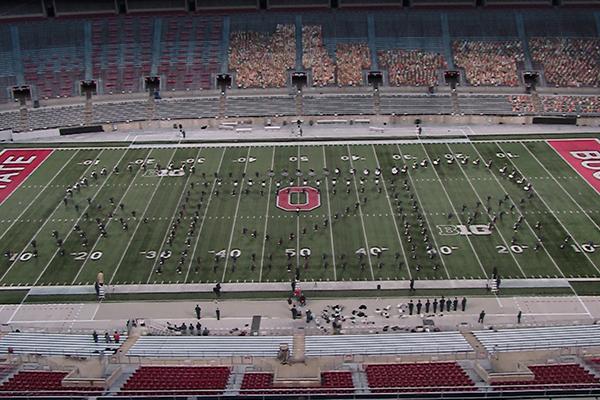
(177, 205)
(393, 214)
(39, 193)
(212, 189)
(68, 234)
(362, 220)
(262, 257)
(237, 207)
(453, 209)
(111, 219)
(47, 219)
(126, 250)
(517, 206)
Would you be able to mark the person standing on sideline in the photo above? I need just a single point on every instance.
(410, 307)
(419, 305)
(519, 315)
(442, 304)
(427, 304)
(464, 303)
(455, 304)
(218, 312)
(435, 303)
(481, 316)
(412, 284)
(198, 311)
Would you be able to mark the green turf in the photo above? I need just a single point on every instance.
(564, 206)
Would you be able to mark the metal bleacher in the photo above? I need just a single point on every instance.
(338, 104)
(485, 104)
(49, 344)
(393, 343)
(260, 106)
(405, 104)
(554, 337)
(208, 346)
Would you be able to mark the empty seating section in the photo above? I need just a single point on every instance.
(117, 112)
(558, 376)
(158, 380)
(43, 383)
(338, 104)
(206, 107)
(401, 343)
(151, 5)
(189, 52)
(208, 346)
(521, 104)
(485, 104)
(416, 104)
(259, 106)
(332, 382)
(121, 52)
(571, 104)
(489, 63)
(418, 377)
(411, 67)
(539, 338)
(55, 344)
(261, 60)
(21, 8)
(53, 64)
(84, 7)
(568, 61)
(9, 120)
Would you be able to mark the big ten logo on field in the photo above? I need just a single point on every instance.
(298, 198)
(584, 157)
(464, 230)
(16, 165)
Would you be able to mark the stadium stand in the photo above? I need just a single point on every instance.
(260, 106)
(400, 343)
(55, 344)
(208, 346)
(521, 104)
(418, 377)
(66, 7)
(332, 382)
(557, 376)
(155, 5)
(218, 4)
(539, 338)
(206, 107)
(174, 381)
(315, 56)
(338, 104)
(489, 63)
(352, 59)
(567, 61)
(22, 8)
(571, 104)
(298, 3)
(262, 60)
(412, 67)
(44, 383)
(407, 104)
(485, 104)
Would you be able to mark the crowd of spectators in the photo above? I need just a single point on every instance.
(566, 61)
(489, 63)
(521, 103)
(261, 60)
(316, 57)
(412, 67)
(571, 104)
(352, 58)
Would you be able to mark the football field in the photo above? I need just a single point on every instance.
(269, 213)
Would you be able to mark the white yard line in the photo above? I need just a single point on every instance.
(561, 186)
(183, 191)
(237, 208)
(392, 213)
(457, 161)
(212, 189)
(140, 222)
(453, 208)
(47, 219)
(329, 215)
(362, 220)
(39, 193)
(269, 194)
(517, 206)
(556, 216)
(67, 235)
(111, 219)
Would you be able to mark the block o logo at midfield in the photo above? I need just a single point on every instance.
(312, 198)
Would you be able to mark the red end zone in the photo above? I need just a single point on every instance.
(16, 165)
(583, 155)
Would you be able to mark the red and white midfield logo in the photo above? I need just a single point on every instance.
(310, 197)
(583, 155)
(16, 165)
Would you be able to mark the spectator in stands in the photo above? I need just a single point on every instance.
(568, 61)
(412, 67)
(352, 59)
(522, 104)
(117, 337)
(95, 336)
(481, 316)
(316, 57)
(571, 104)
(491, 63)
(198, 311)
(107, 337)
